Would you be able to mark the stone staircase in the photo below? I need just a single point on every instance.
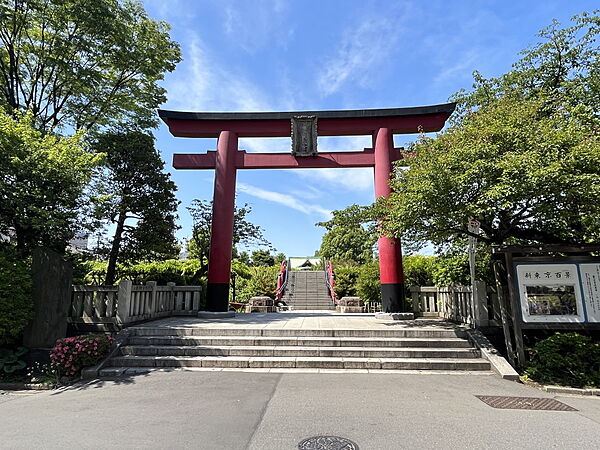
(307, 291)
(410, 348)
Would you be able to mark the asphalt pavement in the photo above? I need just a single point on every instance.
(243, 410)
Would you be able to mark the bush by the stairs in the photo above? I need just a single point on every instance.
(568, 359)
(72, 354)
(367, 285)
(16, 305)
(345, 280)
(260, 281)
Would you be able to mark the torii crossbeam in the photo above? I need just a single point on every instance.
(381, 124)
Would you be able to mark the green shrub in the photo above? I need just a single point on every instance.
(16, 305)
(568, 359)
(344, 282)
(10, 360)
(183, 272)
(262, 281)
(368, 285)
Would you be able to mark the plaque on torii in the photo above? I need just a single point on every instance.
(301, 126)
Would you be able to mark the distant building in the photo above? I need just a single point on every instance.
(79, 241)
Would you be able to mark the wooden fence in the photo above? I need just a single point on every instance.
(456, 303)
(117, 306)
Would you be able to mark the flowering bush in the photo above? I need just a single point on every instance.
(72, 354)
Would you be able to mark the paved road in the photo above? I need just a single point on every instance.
(236, 410)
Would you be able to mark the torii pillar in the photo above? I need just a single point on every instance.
(382, 124)
(221, 237)
(391, 273)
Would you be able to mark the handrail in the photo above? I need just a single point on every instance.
(282, 279)
(330, 279)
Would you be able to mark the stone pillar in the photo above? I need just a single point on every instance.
(390, 253)
(51, 277)
(219, 266)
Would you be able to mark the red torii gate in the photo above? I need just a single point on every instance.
(381, 124)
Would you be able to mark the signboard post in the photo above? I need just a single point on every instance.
(473, 228)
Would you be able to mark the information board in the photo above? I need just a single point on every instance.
(590, 284)
(550, 293)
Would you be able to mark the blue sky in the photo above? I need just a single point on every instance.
(272, 55)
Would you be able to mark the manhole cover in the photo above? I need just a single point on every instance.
(327, 443)
(543, 404)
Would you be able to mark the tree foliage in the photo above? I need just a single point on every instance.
(244, 231)
(262, 258)
(522, 155)
(183, 272)
(79, 63)
(140, 200)
(43, 181)
(350, 235)
(361, 281)
(254, 281)
(16, 305)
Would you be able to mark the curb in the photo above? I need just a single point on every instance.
(499, 364)
(572, 391)
(26, 387)
(90, 373)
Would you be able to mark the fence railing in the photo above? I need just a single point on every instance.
(456, 303)
(330, 280)
(128, 303)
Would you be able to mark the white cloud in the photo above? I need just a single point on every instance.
(351, 180)
(363, 53)
(252, 25)
(461, 68)
(284, 199)
(201, 84)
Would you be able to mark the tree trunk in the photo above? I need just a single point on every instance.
(114, 250)
(21, 241)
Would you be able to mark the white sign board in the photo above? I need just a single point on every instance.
(550, 293)
(590, 283)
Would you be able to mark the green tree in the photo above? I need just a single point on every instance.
(244, 231)
(244, 258)
(140, 200)
(262, 258)
(279, 258)
(419, 270)
(80, 63)
(42, 184)
(350, 235)
(16, 305)
(522, 155)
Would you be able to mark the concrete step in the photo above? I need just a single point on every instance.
(300, 351)
(302, 362)
(310, 307)
(302, 341)
(396, 332)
